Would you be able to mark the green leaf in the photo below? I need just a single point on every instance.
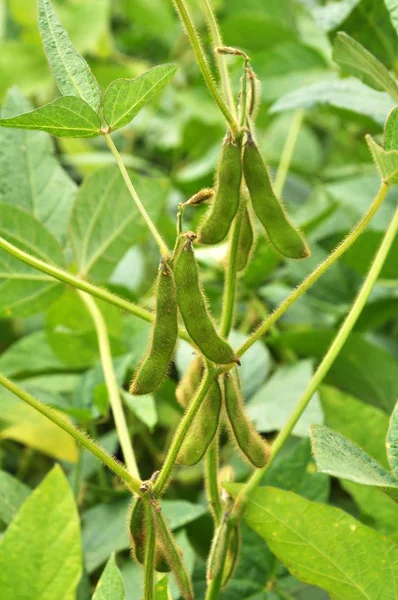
(24, 290)
(124, 98)
(65, 117)
(392, 7)
(391, 131)
(386, 161)
(40, 553)
(162, 589)
(70, 70)
(110, 585)
(31, 177)
(30, 354)
(12, 494)
(105, 221)
(336, 455)
(349, 94)
(333, 14)
(376, 508)
(358, 61)
(274, 401)
(324, 546)
(392, 441)
(144, 410)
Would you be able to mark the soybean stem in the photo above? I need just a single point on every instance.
(149, 561)
(196, 44)
(320, 270)
(182, 431)
(221, 59)
(326, 362)
(288, 150)
(243, 95)
(212, 487)
(111, 383)
(164, 251)
(60, 420)
(81, 284)
(214, 586)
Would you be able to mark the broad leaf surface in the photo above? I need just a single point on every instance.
(31, 177)
(110, 585)
(386, 161)
(124, 98)
(161, 591)
(70, 70)
(358, 61)
(12, 494)
(392, 7)
(24, 290)
(324, 546)
(391, 131)
(377, 509)
(336, 455)
(392, 441)
(30, 355)
(40, 553)
(105, 221)
(65, 117)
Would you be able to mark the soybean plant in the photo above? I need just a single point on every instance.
(210, 390)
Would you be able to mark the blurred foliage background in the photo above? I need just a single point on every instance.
(49, 345)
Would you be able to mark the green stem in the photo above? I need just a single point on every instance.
(203, 65)
(243, 95)
(288, 150)
(81, 284)
(164, 251)
(212, 487)
(221, 59)
(215, 585)
(326, 363)
(182, 431)
(316, 274)
(150, 546)
(60, 420)
(111, 384)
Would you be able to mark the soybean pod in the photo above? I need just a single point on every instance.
(137, 530)
(203, 428)
(249, 442)
(190, 381)
(218, 219)
(218, 550)
(192, 304)
(283, 235)
(154, 367)
(246, 237)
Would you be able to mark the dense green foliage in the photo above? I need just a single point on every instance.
(321, 520)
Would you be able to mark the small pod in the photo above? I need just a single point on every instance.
(137, 538)
(203, 428)
(218, 219)
(232, 557)
(251, 444)
(282, 233)
(190, 382)
(154, 367)
(218, 550)
(174, 555)
(246, 241)
(192, 305)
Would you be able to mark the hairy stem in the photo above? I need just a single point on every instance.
(211, 474)
(111, 383)
(215, 585)
(182, 431)
(203, 65)
(288, 150)
(164, 251)
(57, 418)
(150, 546)
(221, 59)
(81, 284)
(327, 361)
(316, 274)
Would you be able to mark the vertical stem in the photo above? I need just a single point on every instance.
(214, 586)
(162, 246)
(243, 95)
(221, 59)
(327, 361)
(194, 38)
(111, 383)
(212, 487)
(288, 150)
(149, 561)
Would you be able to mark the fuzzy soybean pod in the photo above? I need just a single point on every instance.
(217, 550)
(249, 442)
(283, 235)
(137, 538)
(232, 554)
(154, 368)
(203, 428)
(246, 241)
(218, 219)
(190, 382)
(192, 304)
